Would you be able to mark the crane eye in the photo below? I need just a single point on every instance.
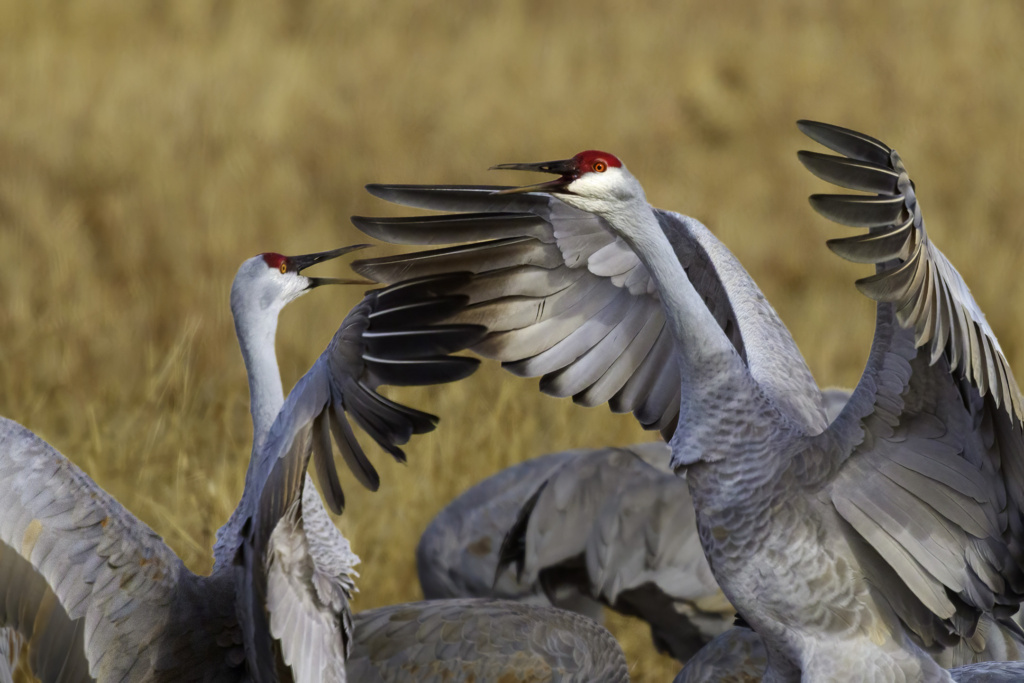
(284, 266)
(600, 166)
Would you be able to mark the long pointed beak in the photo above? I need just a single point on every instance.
(566, 168)
(300, 263)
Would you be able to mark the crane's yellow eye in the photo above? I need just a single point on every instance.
(284, 266)
(600, 166)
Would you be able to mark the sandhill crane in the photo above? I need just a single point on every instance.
(98, 595)
(856, 547)
(482, 640)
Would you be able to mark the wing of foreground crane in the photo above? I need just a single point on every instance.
(564, 299)
(368, 350)
(926, 461)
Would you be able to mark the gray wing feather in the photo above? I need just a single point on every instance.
(482, 640)
(343, 380)
(457, 554)
(83, 578)
(591, 322)
(309, 583)
(10, 649)
(618, 525)
(927, 457)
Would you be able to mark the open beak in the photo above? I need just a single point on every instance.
(300, 263)
(565, 168)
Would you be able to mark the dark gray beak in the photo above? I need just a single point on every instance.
(566, 168)
(299, 263)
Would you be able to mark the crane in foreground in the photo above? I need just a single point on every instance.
(885, 543)
(99, 596)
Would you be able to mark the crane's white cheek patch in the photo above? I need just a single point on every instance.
(28, 541)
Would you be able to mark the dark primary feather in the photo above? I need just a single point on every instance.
(513, 547)
(847, 142)
(852, 174)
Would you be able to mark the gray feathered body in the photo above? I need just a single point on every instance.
(468, 640)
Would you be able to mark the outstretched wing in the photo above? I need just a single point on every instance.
(368, 350)
(83, 581)
(563, 298)
(610, 525)
(458, 552)
(927, 457)
(482, 640)
(551, 532)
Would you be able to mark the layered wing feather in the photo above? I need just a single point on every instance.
(457, 554)
(88, 585)
(482, 640)
(736, 656)
(309, 583)
(370, 349)
(617, 524)
(927, 458)
(563, 298)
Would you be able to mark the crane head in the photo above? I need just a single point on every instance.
(273, 280)
(588, 174)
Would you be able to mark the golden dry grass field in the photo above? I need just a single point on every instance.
(148, 147)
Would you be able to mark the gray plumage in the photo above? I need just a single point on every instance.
(10, 651)
(735, 656)
(610, 525)
(862, 545)
(482, 640)
(99, 596)
(990, 672)
(457, 554)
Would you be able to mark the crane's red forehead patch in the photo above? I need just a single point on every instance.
(273, 260)
(587, 160)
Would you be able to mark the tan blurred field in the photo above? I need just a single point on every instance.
(147, 148)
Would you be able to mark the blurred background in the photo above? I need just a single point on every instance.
(148, 147)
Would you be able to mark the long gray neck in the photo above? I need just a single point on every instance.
(695, 329)
(256, 331)
(715, 382)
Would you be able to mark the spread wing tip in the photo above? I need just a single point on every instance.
(912, 274)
